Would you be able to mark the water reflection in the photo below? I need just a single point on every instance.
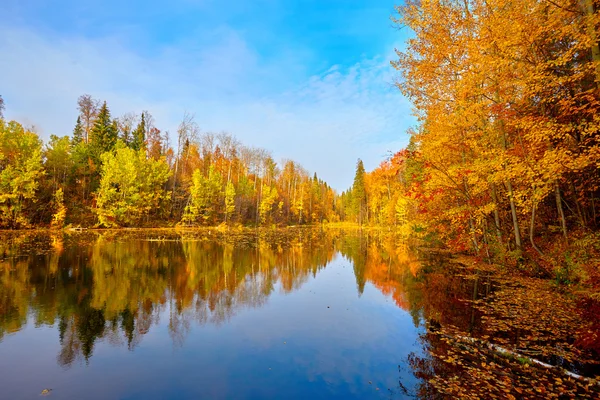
(114, 286)
(358, 311)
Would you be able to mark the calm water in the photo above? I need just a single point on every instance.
(155, 315)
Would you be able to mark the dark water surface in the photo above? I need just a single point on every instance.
(156, 315)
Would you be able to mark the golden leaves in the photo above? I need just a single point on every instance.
(509, 109)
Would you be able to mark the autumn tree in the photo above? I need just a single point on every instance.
(187, 134)
(59, 214)
(158, 144)
(229, 201)
(125, 125)
(204, 198)
(131, 187)
(58, 161)
(269, 197)
(20, 173)
(88, 110)
(506, 95)
(84, 171)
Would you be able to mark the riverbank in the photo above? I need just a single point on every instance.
(509, 336)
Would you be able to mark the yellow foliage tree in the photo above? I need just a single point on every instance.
(20, 173)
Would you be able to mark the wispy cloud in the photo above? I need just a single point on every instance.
(325, 121)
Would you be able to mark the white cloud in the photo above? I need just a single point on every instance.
(325, 124)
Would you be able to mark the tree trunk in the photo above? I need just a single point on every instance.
(474, 299)
(593, 209)
(513, 209)
(578, 207)
(258, 204)
(513, 212)
(496, 214)
(561, 213)
(588, 9)
(473, 233)
(175, 174)
(532, 231)
(486, 241)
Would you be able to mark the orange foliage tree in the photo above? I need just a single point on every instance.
(507, 98)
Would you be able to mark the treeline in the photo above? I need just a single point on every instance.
(124, 172)
(506, 155)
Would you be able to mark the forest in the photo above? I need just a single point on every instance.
(503, 162)
(124, 172)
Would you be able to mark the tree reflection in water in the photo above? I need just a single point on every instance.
(115, 286)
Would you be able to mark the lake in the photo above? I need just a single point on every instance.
(297, 314)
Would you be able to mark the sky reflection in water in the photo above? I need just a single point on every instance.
(109, 315)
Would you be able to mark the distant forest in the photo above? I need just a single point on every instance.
(124, 172)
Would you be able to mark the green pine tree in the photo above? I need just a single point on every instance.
(1, 107)
(359, 193)
(104, 132)
(115, 128)
(77, 133)
(139, 135)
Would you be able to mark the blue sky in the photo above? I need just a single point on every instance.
(308, 80)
